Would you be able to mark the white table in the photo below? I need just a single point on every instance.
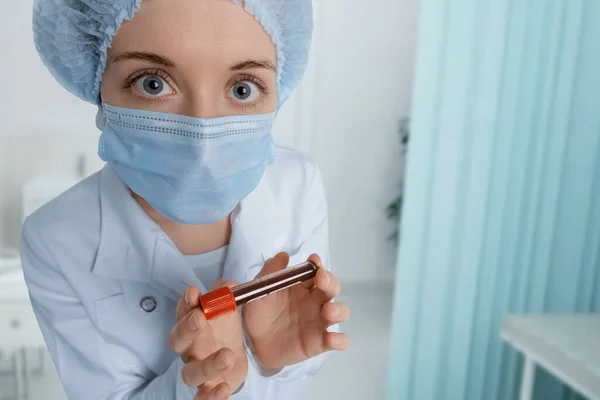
(18, 327)
(567, 346)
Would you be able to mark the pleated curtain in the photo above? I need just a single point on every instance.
(502, 211)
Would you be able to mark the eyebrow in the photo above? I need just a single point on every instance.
(156, 59)
(253, 64)
(135, 55)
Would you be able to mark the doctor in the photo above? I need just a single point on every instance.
(194, 195)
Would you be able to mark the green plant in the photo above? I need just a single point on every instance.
(394, 209)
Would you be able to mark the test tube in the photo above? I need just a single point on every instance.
(226, 300)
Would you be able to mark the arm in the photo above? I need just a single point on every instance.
(89, 368)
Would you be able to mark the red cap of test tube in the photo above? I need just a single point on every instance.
(218, 302)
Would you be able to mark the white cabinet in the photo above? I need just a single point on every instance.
(18, 327)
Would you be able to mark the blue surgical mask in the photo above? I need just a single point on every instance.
(190, 170)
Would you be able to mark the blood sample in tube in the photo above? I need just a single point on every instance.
(225, 300)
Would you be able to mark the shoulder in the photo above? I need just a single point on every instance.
(293, 172)
(296, 185)
(68, 219)
(287, 157)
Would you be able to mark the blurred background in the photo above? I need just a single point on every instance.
(473, 273)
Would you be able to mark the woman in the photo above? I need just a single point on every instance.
(194, 195)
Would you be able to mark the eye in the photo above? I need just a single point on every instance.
(152, 85)
(244, 91)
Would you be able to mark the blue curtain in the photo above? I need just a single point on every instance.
(502, 211)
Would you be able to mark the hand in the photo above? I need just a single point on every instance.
(213, 352)
(290, 326)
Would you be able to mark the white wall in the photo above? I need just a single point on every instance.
(364, 59)
(345, 114)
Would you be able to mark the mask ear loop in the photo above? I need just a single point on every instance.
(100, 120)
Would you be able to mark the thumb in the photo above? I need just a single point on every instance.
(277, 263)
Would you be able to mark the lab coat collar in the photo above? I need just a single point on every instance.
(133, 247)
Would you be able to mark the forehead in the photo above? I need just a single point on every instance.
(195, 31)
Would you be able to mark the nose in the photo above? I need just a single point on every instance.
(204, 103)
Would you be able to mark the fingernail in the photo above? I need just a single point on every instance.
(186, 297)
(192, 322)
(327, 279)
(220, 362)
(335, 311)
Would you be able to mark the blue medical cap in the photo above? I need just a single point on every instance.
(72, 38)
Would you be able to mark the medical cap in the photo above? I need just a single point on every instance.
(72, 38)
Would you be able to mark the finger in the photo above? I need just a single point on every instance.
(308, 284)
(335, 313)
(328, 284)
(188, 328)
(221, 391)
(205, 389)
(314, 258)
(277, 263)
(222, 283)
(336, 341)
(198, 372)
(188, 301)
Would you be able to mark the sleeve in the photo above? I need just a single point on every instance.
(88, 367)
(316, 241)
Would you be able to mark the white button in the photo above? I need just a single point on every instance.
(148, 304)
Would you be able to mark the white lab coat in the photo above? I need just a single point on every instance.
(92, 254)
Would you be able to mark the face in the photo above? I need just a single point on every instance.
(200, 58)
